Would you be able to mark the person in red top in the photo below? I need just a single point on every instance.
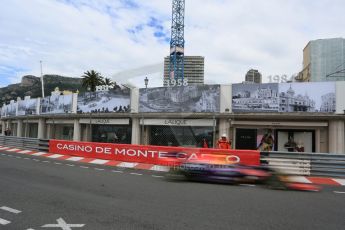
(223, 143)
(204, 143)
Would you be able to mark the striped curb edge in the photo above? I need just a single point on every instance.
(152, 167)
(132, 165)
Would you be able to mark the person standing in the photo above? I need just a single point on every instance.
(223, 142)
(204, 143)
(299, 147)
(290, 145)
(267, 141)
(8, 132)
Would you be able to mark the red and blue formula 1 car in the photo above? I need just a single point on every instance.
(215, 169)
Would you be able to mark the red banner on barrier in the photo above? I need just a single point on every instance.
(150, 154)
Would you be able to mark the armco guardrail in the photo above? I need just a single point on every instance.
(43, 145)
(311, 164)
(25, 143)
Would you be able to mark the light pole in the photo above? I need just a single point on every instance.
(42, 80)
(146, 80)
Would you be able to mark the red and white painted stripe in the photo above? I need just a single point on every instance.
(25, 151)
(340, 181)
(121, 164)
(55, 156)
(13, 150)
(326, 181)
(72, 158)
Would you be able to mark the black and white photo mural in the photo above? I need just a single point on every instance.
(10, 110)
(255, 98)
(27, 107)
(57, 104)
(111, 101)
(2, 111)
(307, 97)
(193, 98)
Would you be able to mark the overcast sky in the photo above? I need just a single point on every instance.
(110, 36)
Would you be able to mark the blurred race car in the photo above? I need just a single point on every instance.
(215, 169)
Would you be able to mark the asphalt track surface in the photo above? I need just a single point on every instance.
(45, 191)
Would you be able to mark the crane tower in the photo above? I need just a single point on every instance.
(177, 41)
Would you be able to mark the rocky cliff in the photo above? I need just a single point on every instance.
(31, 86)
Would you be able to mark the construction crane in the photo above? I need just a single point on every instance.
(176, 68)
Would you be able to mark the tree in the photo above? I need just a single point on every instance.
(91, 79)
(112, 84)
(109, 82)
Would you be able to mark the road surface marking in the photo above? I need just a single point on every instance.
(127, 165)
(36, 160)
(8, 209)
(299, 179)
(157, 176)
(339, 192)
(39, 154)
(160, 168)
(25, 151)
(4, 222)
(248, 185)
(98, 169)
(99, 162)
(84, 167)
(70, 165)
(323, 181)
(46, 161)
(13, 150)
(340, 181)
(116, 171)
(18, 157)
(137, 174)
(54, 156)
(9, 155)
(57, 163)
(75, 158)
(3, 154)
(26, 158)
(61, 223)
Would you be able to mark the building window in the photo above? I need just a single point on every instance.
(111, 134)
(181, 136)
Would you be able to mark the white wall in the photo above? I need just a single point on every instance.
(134, 100)
(74, 102)
(225, 98)
(340, 97)
(336, 136)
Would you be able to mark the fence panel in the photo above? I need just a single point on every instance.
(25, 143)
(313, 164)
